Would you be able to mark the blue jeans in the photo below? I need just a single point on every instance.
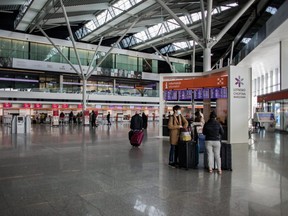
(173, 154)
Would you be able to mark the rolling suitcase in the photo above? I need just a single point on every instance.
(188, 154)
(201, 142)
(226, 156)
(137, 138)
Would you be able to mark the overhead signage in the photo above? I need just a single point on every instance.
(7, 105)
(55, 106)
(26, 105)
(65, 106)
(203, 82)
(37, 106)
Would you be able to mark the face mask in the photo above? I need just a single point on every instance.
(179, 112)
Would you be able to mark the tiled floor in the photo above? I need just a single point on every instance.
(82, 171)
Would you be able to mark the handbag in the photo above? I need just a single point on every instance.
(185, 135)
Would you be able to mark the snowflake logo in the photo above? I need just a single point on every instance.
(239, 81)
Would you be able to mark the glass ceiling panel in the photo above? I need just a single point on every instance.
(114, 10)
(171, 24)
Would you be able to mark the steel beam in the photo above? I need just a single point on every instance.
(203, 18)
(89, 72)
(231, 53)
(191, 33)
(111, 49)
(232, 22)
(166, 59)
(209, 18)
(59, 51)
(193, 57)
(72, 38)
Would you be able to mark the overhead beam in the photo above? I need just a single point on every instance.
(86, 7)
(58, 49)
(71, 19)
(202, 7)
(233, 21)
(15, 2)
(185, 27)
(72, 38)
(209, 20)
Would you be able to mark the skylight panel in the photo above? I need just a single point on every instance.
(196, 16)
(156, 30)
(184, 19)
(172, 24)
(246, 40)
(141, 36)
(271, 10)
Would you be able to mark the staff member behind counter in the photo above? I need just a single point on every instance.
(176, 122)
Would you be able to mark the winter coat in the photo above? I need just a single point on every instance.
(174, 125)
(213, 130)
(136, 122)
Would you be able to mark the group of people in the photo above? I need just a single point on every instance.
(212, 130)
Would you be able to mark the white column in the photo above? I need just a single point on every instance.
(84, 96)
(206, 59)
(283, 64)
(114, 86)
(61, 83)
(161, 106)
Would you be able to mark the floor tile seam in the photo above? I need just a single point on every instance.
(88, 202)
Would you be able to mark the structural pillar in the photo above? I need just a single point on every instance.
(61, 83)
(84, 95)
(206, 59)
(283, 65)
(114, 86)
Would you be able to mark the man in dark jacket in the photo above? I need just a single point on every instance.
(213, 131)
(136, 122)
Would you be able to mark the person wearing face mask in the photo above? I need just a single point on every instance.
(176, 122)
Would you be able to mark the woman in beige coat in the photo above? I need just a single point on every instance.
(176, 122)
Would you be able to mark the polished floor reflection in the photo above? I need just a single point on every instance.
(78, 171)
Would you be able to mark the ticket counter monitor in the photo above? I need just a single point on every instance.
(20, 124)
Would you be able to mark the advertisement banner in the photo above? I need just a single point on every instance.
(37, 106)
(238, 104)
(26, 105)
(55, 106)
(7, 105)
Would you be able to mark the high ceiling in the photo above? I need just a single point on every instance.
(92, 19)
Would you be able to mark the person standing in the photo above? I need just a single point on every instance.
(108, 118)
(145, 120)
(176, 122)
(213, 131)
(93, 118)
(71, 115)
(136, 122)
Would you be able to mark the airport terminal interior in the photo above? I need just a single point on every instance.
(74, 76)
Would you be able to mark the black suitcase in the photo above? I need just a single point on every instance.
(226, 156)
(188, 154)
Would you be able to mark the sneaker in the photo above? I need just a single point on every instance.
(173, 165)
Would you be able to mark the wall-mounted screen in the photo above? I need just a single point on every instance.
(185, 95)
(172, 96)
(198, 94)
(206, 93)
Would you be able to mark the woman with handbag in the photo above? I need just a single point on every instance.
(176, 122)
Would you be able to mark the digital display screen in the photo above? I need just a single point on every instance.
(223, 93)
(216, 93)
(172, 95)
(185, 95)
(206, 93)
(198, 94)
